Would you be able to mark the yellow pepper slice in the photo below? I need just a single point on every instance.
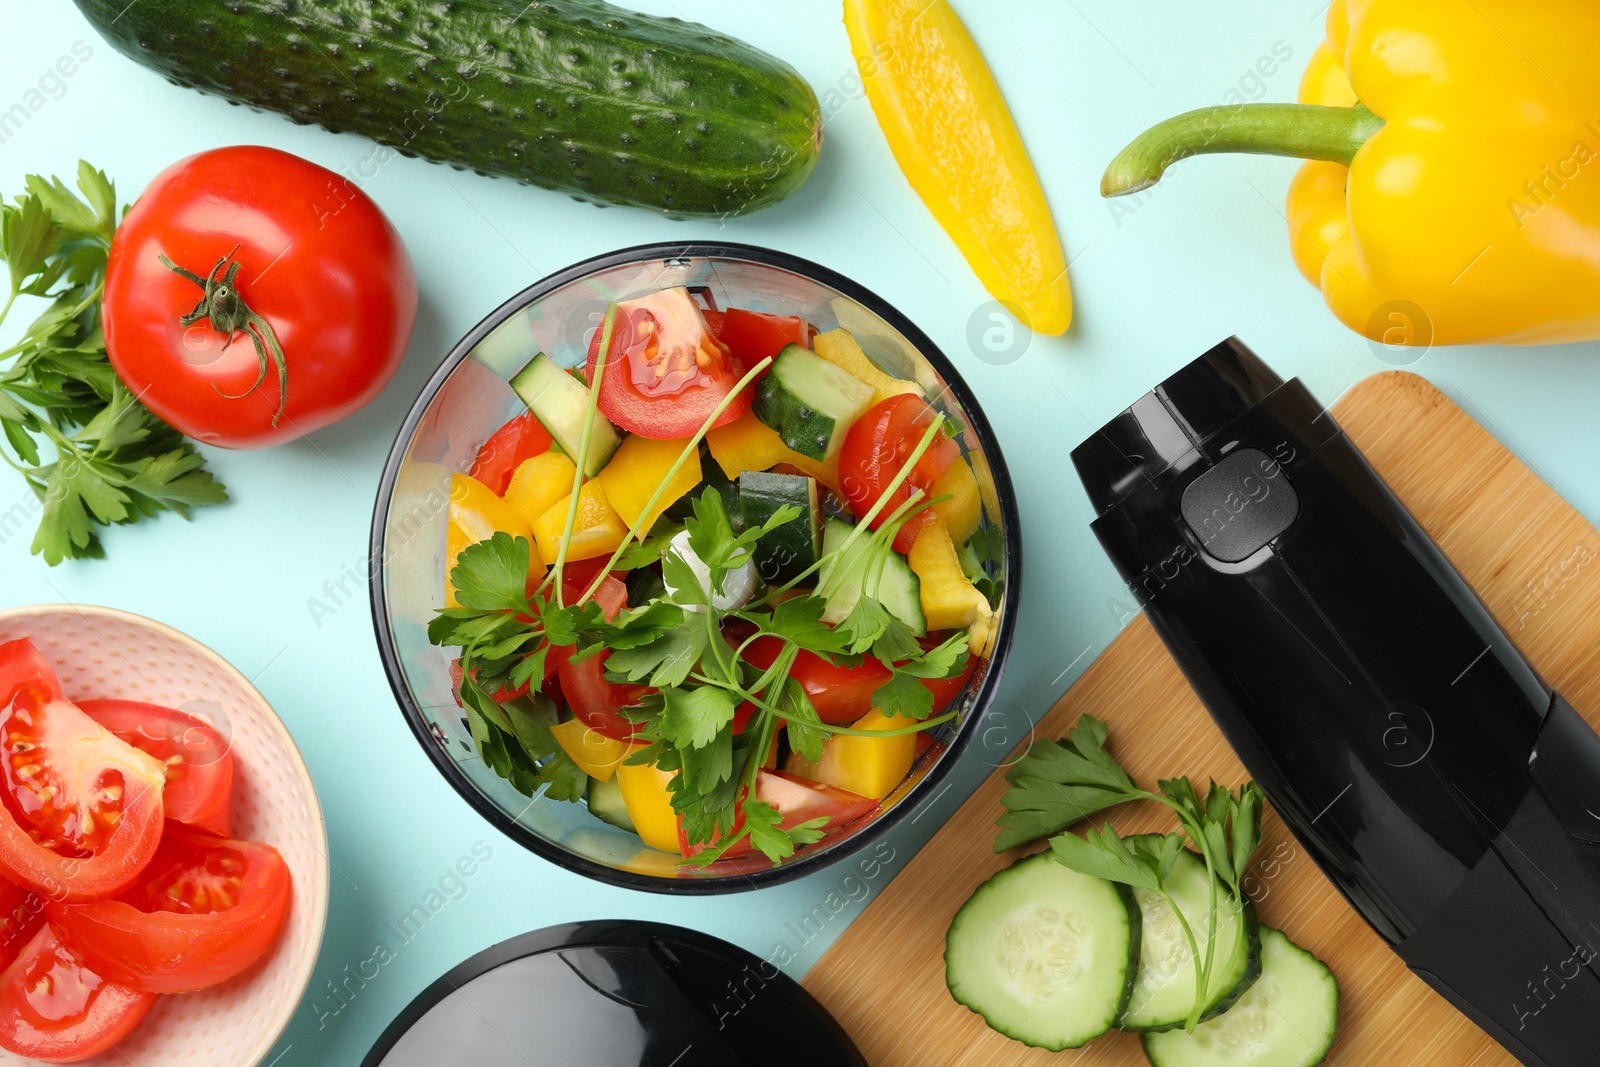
(962, 512)
(476, 514)
(949, 599)
(597, 754)
(748, 444)
(644, 794)
(538, 483)
(597, 530)
(871, 766)
(639, 467)
(840, 348)
(954, 138)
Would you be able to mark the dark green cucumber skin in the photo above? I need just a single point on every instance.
(575, 95)
(786, 552)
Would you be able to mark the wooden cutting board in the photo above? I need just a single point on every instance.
(1530, 556)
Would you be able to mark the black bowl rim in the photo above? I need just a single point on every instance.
(813, 861)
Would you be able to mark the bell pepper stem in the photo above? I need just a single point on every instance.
(1304, 131)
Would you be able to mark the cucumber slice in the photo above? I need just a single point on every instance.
(887, 577)
(1164, 986)
(561, 403)
(810, 402)
(605, 803)
(1286, 1019)
(787, 550)
(1046, 955)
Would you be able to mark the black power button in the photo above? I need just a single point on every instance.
(1238, 507)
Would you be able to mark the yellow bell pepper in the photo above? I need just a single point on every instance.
(639, 467)
(949, 599)
(597, 530)
(962, 512)
(538, 483)
(644, 794)
(598, 755)
(871, 766)
(954, 138)
(476, 514)
(748, 444)
(841, 349)
(1469, 217)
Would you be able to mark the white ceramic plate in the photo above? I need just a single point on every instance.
(102, 652)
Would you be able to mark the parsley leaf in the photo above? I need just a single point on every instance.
(492, 575)
(904, 695)
(1058, 783)
(692, 718)
(799, 619)
(866, 622)
(805, 725)
(664, 662)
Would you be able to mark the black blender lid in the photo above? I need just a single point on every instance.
(1172, 420)
(614, 993)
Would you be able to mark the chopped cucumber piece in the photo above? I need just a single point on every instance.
(784, 551)
(561, 404)
(1046, 955)
(885, 575)
(605, 803)
(1285, 1020)
(810, 402)
(1164, 986)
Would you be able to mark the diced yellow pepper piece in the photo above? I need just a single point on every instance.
(871, 766)
(644, 794)
(949, 599)
(456, 541)
(538, 483)
(748, 444)
(840, 348)
(597, 531)
(477, 514)
(962, 512)
(597, 754)
(639, 467)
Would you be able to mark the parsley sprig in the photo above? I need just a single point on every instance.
(89, 451)
(1059, 783)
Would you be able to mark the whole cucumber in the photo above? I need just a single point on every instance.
(576, 95)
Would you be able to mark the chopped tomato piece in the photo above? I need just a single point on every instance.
(594, 700)
(877, 447)
(21, 915)
(520, 439)
(801, 800)
(199, 788)
(753, 337)
(82, 808)
(840, 694)
(54, 1008)
(201, 912)
(665, 370)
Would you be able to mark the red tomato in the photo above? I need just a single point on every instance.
(874, 451)
(752, 336)
(840, 694)
(21, 915)
(945, 690)
(591, 697)
(665, 371)
(203, 911)
(82, 808)
(801, 800)
(299, 246)
(520, 439)
(55, 1009)
(199, 789)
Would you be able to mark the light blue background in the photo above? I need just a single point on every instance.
(1156, 281)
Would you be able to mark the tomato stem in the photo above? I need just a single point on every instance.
(222, 304)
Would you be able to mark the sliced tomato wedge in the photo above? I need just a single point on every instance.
(54, 1008)
(875, 450)
(21, 915)
(82, 808)
(801, 800)
(520, 439)
(840, 694)
(199, 789)
(203, 911)
(665, 370)
(752, 336)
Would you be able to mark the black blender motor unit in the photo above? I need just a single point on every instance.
(1435, 778)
